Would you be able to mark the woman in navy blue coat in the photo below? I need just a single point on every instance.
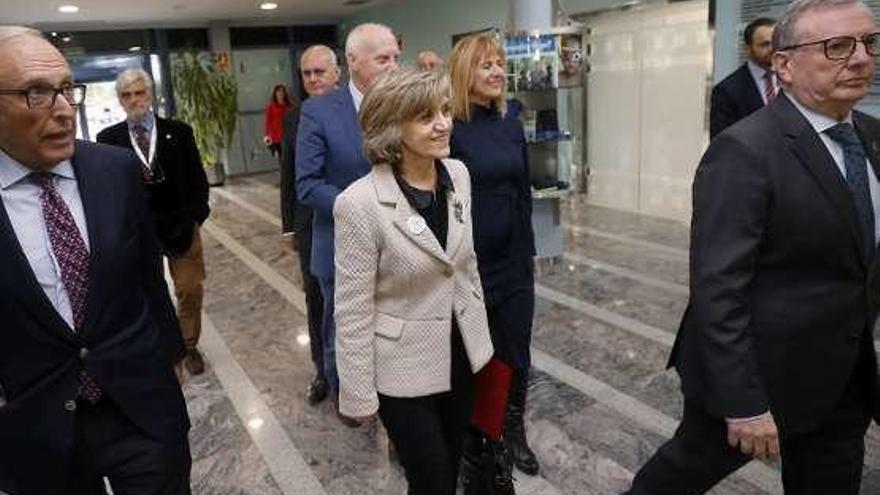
(492, 145)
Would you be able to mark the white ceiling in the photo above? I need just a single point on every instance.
(157, 13)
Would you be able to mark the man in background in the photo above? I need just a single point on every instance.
(329, 157)
(429, 60)
(175, 178)
(320, 75)
(751, 86)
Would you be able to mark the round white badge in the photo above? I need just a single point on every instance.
(416, 224)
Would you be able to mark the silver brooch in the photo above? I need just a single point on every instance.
(458, 211)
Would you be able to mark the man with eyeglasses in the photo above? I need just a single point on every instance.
(751, 86)
(776, 351)
(320, 74)
(89, 336)
(175, 178)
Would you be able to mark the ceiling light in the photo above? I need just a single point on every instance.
(66, 39)
(68, 9)
(134, 49)
(268, 6)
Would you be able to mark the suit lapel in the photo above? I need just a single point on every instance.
(97, 204)
(404, 217)
(811, 151)
(455, 205)
(33, 296)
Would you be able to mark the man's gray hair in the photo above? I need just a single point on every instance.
(322, 50)
(362, 34)
(9, 32)
(785, 32)
(131, 76)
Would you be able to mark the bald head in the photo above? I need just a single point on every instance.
(319, 69)
(370, 49)
(429, 60)
(37, 135)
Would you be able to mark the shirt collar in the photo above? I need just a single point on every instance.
(148, 121)
(12, 172)
(820, 123)
(757, 71)
(356, 95)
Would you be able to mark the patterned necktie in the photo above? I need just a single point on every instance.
(857, 177)
(769, 88)
(143, 142)
(72, 256)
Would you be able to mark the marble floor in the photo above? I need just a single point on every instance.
(600, 404)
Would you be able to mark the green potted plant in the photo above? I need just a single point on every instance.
(205, 98)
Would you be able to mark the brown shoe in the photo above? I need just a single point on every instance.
(194, 362)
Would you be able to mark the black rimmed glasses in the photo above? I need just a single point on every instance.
(42, 97)
(842, 47)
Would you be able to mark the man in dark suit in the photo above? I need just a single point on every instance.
(175, 178)
(89, 337)
(751, 86)
(776, 352)
(320, 74)
(329, 158)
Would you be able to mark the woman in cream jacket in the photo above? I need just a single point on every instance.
(411, 324)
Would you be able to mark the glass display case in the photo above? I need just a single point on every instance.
(545, 77)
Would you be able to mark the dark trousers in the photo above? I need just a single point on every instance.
(510, 325)
(108, 444)
(314, 300)
(820, 462)
(328, 334)
(429, 431)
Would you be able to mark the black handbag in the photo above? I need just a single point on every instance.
(485, 467)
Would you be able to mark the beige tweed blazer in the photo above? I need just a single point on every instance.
(397, 289)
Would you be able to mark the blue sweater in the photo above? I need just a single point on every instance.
(494, 150)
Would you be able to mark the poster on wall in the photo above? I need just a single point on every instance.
(532, 62)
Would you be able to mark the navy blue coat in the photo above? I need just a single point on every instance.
(128, 340)
(735, 97)
(494, 150)
(329, 157)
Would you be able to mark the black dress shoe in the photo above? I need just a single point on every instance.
(317, 390)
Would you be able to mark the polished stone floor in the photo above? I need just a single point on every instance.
(601, 401)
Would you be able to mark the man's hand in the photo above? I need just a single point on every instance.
(757, 437)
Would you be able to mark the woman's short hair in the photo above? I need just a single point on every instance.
(395, 98)
(463, 64)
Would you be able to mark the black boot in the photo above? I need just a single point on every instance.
(485, 467)
(514, 428)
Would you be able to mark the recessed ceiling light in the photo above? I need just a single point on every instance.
(134, 48)
(68, 9)
(268, 6)
(66, 39)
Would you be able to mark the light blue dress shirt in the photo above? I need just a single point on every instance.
(21, 199)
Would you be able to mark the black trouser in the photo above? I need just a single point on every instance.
(314, 301)
(821, 462)
(429, 431)
(107, 444)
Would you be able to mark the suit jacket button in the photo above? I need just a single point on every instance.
(83, 353)
(448, 272)
(70, 405)
(477, 294)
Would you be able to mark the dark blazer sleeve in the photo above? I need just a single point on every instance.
(731, 196)
(723, 112)
(195, 175)
(169, 339)
(294, 215)
(312, 186)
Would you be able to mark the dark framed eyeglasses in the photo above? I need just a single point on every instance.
(842, 47)
(41, 97)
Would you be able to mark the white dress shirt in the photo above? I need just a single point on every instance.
(356, 95)
(758, 76)
(822, 123)
(21, 199)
